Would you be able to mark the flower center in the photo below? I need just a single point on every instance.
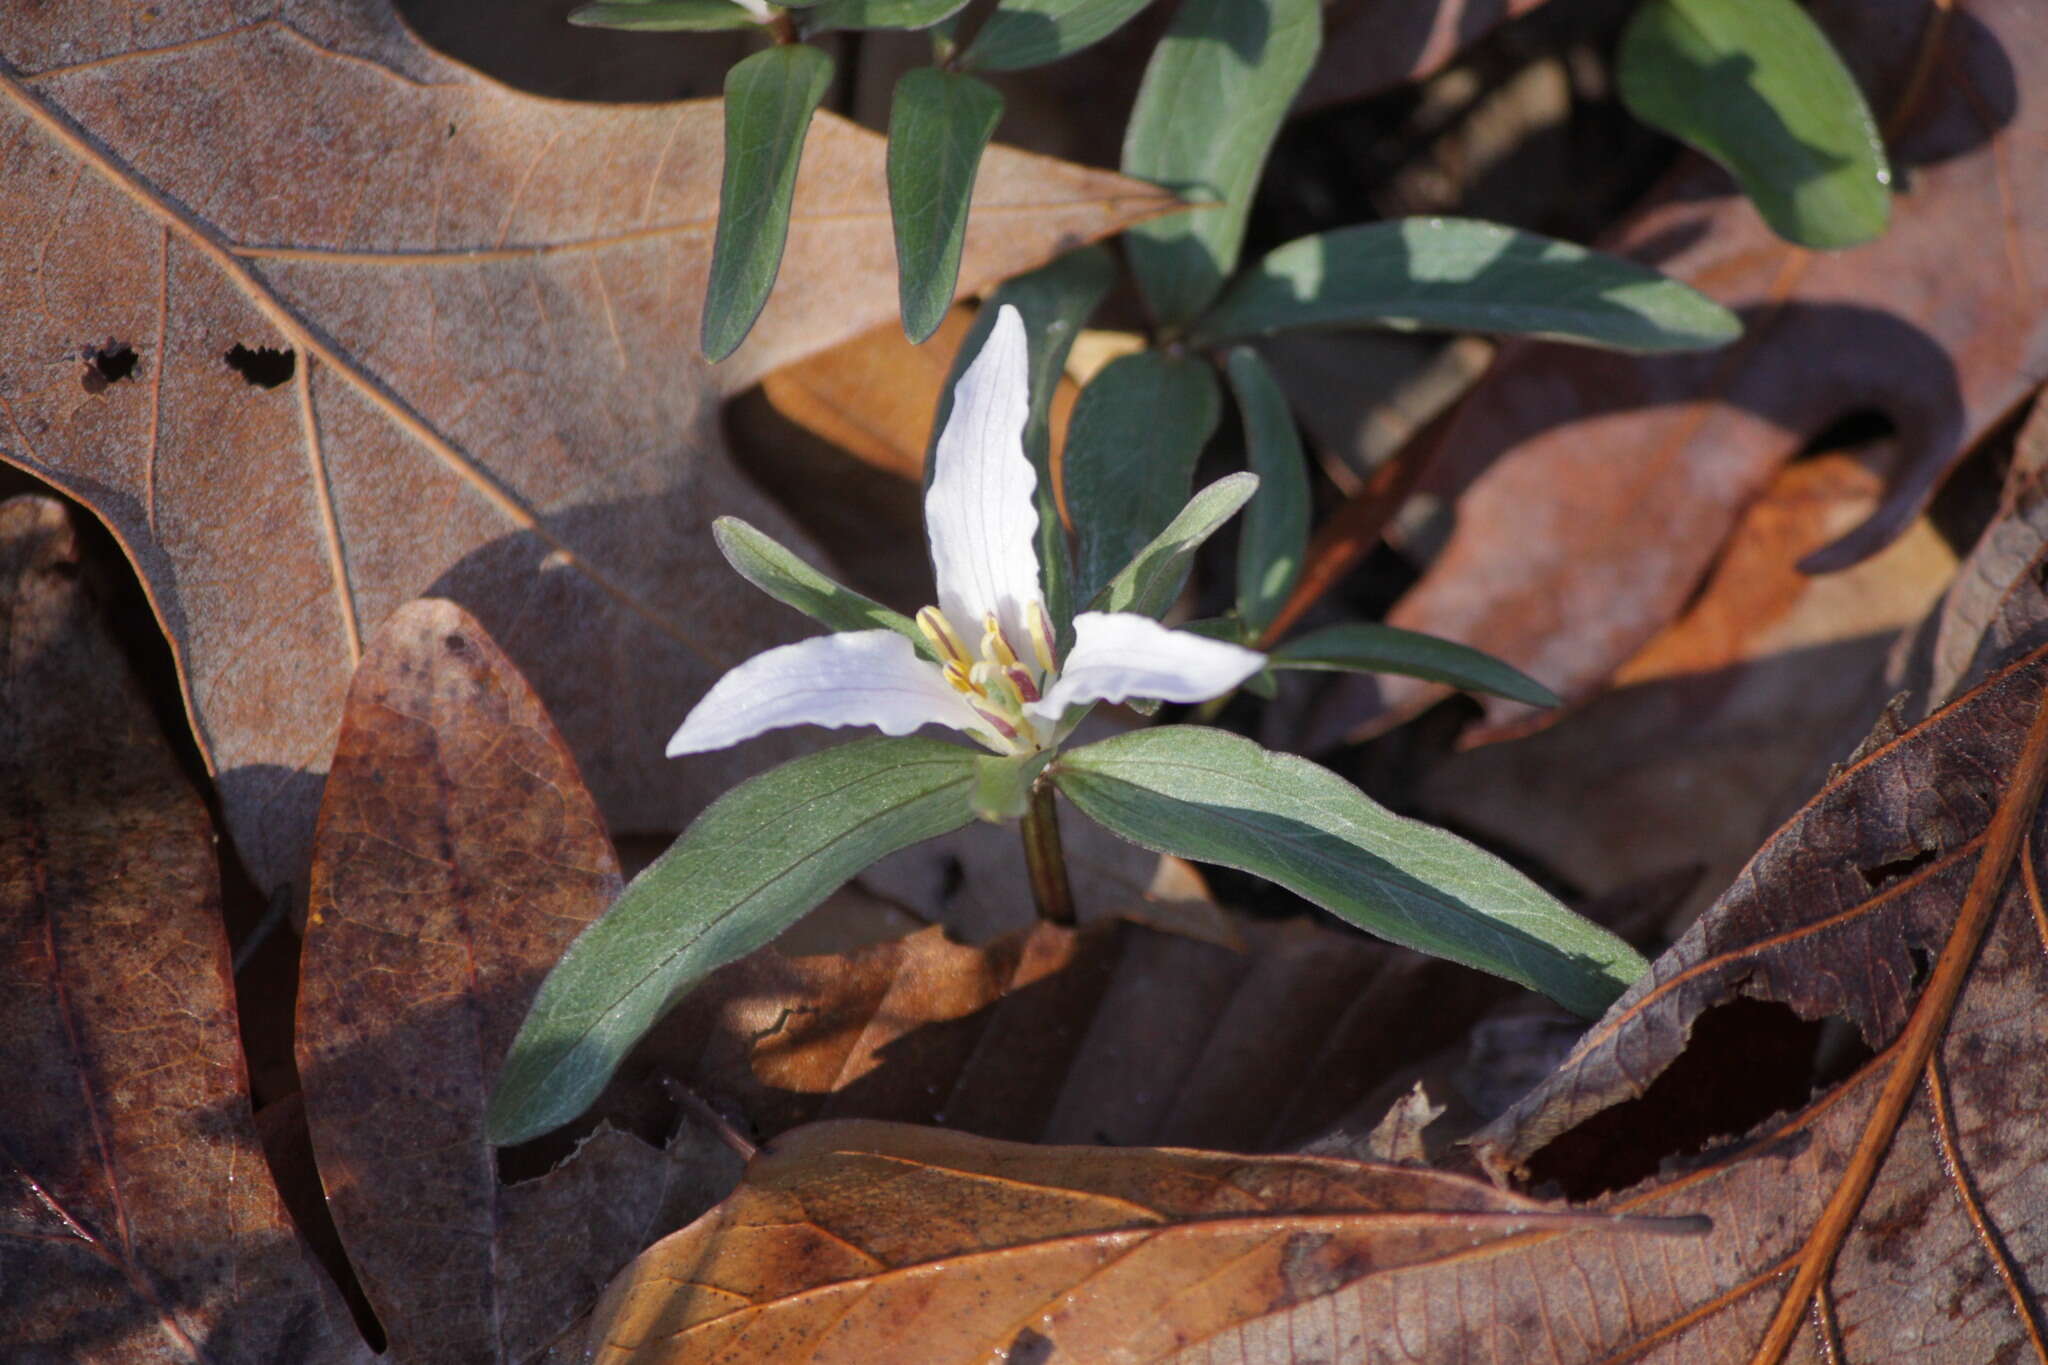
(996, 682)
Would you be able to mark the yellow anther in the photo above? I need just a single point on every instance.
(1040, 625)
(945, 641)
(994, 647)
(962, 681)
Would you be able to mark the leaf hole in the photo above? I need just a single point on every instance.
(455, 644)
(264, 366)
(1745, 1061)
(1898, 869)
(107, 365)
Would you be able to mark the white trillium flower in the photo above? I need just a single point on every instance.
(997, 678)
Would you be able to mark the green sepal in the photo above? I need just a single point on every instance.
(1002, 784)
(777, 570)
(1152, 580)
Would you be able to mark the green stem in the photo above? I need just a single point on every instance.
(1042, 855)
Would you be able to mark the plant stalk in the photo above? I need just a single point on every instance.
(1042, 855)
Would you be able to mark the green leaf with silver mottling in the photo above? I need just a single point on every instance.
(776, 570)
(1208, 109)
(1137, 431)
(1217, 797)
(769, 100)
(1152, 580)
(1756, 85)
(1274, 538)
(939, 125)
(750, 865)
(830, 15)
(1457, 274)
(1025, 33)
(1055, 301)
(1366, 648)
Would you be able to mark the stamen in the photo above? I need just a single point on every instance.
(945, 641)
(1002, 727)
(993, 683)
(1040, 625)
(1021, 680)
(994, 647)
(962, 680)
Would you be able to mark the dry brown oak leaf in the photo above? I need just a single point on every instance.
(1903, 1213)
(1593, 491)
(862, 1242)
(319, 322)
(458, 852)
(138, 1222)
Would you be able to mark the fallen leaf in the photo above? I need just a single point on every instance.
(1726, 721)
(1997, 605)
(1114, 1033)
(1596, 491)
(456, 856)
(138, 1223)
(869, 1242)
(319, 321)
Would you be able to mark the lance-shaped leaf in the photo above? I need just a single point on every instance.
(1024, 33)
(1138, 429)
(1055, 301)
(663, 16)
(1219, 798)
(1456, 274)
(1149, 583)
(762, 855)
(938, 126)
(1756, 85)
(1208, 109)
(777, 570)
(1275, 533)
(1368, 648)
(769, 100)
(867, 14)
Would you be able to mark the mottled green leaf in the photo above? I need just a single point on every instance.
(1455, 274)
(1366, 648)
(757, 859)
(1218, 797)
(1274, 537)
(1024, 33)
(938, 126)
(1210, 104)
(1137, 431)
(1756, 85)
(769, 100)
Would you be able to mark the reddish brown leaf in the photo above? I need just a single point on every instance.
(1727, 721)
(457, 854)
(320, 322)
(139, 1223)
(858, 1242)
(1600, 487)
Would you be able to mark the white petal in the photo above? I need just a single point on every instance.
(1119, 655)
(858, 677)
(978, 511)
